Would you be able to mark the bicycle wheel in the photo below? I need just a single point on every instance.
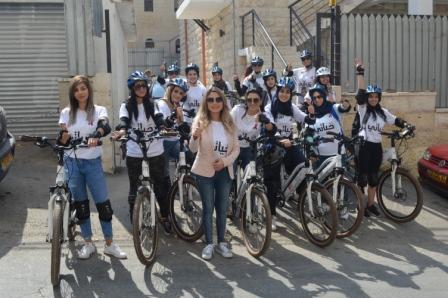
(187, 215)
(144, 234)
(319, 221)
(56, 243)
(257, 231)
(406, 202)
(349, 205)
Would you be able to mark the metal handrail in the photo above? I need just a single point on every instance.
(263, 28)
(294, 16)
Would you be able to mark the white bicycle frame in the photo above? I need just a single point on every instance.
(244, 187)
(152, 196)
(390, 155)
(326, 168)
(182, 163)
(59, 193)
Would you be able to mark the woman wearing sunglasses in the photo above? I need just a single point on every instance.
(328, 118)
(214, 138)
(284, 114)
(249, 120)
(138, 112)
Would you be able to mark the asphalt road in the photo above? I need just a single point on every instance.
(382, 259)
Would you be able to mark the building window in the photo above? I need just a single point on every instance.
(149, 43)
(149, 5)
(178, 46)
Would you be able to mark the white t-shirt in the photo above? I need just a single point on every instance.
(163, 107)
(371, 130)
(144, 125)
(220, 142)
(250, 85)
(326, 124)
(285, 123)
(195, 95)
(82, 129)
(304, 80)
(247, 126)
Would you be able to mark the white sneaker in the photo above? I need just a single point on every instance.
(86, 251)
(207, 252)
(115, 251)
(224, 250)
(274, 223)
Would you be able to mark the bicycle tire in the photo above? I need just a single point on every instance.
(141, 219)
(56, 243)
(343, 231)
(386, 208)
(185, 216)
(245, 227)
(327, 226)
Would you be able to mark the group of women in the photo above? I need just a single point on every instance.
(219, 135)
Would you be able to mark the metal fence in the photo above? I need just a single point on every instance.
(142, 58)
(401, 53)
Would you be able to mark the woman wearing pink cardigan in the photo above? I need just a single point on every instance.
(214, 138)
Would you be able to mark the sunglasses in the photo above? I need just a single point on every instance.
(252, 100)
(257, 64)
(139, 86)
(214, 99)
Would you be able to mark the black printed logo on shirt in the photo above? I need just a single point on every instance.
(324, 127)
(76, 134)
(220, 148)
(374, 127)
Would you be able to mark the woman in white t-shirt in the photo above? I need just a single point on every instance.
(328, 119)
(372, 118)
(249, 120)
(139, 113)
(214, 138)
(285, 114)
(83, 168)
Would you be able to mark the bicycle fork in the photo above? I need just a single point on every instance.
(57, 198)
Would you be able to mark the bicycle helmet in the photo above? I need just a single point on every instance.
(136, 76)
(257, 60)
(178, 82)
(319, 88)
(323, 71)
(269, 73)
(192, 66)
(287, 82)
(374, 89)
(306, 54)
(217, 69)
(173, 68)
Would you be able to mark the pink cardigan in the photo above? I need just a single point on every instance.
(203, 164)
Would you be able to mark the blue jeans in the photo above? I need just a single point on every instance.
(214, 192)
(172, 150)
(246, 156)
(83, 173)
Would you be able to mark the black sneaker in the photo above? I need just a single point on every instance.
(366, 212)
(167, 229)
(372, 209)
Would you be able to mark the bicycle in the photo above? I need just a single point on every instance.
(396, 183)
(315, 205)
(250, 204)
(185, 200)
(61, 220)
(346, 194)
(144, 216)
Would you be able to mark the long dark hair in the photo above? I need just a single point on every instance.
(74, 105)
(373, 111)
(132, 107)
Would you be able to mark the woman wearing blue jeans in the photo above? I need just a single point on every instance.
(214, 138)
(83, 168)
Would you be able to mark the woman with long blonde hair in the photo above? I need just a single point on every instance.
(215, 140)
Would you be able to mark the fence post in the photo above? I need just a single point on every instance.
(242, 32)
(253, 29)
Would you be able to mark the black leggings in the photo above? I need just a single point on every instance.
(293, 157)
(158, 176)
(370, 159)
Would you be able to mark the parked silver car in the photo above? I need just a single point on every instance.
(7, 146)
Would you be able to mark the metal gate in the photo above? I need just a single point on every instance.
(33, 56)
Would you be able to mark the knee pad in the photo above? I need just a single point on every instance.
(373, 179)
(82, 210)
(105, 211)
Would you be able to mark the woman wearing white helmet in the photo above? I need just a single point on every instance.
(323, 76)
